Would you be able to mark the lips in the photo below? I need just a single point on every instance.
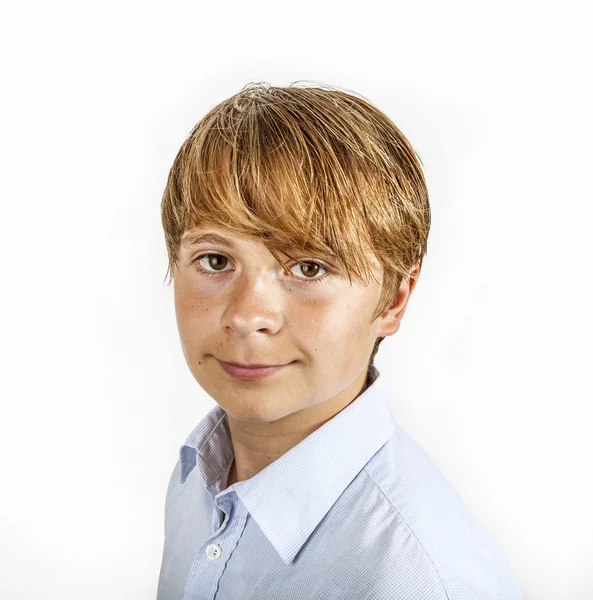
(253, 366)
(250, 372)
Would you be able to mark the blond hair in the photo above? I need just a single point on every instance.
(311, 167)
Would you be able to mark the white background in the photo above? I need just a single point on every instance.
(491, 371)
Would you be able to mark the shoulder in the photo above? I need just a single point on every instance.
(438, 530)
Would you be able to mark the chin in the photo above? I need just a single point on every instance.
(266, 413)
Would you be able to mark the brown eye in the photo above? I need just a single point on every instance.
(214, 262)
(309, 269)
(216, 259)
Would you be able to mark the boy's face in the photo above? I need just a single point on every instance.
(249, 311)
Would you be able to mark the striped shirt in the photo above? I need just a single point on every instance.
(356, 511)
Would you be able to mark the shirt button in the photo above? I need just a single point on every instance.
(213, 551)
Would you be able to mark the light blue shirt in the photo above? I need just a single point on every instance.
(355, 511)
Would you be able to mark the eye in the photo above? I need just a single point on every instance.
(309, 266)
(199, 258)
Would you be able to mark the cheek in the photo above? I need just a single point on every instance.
(192, 310)
(329, 325)
(344, 327)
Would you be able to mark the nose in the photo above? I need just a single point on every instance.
(255, 304)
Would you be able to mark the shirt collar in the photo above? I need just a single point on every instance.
(290, 496)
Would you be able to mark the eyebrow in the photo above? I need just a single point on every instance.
(193, 239)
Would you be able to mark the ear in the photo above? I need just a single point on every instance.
(391, 318)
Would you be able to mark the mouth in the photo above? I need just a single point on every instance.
(251, 366)
(252, 371)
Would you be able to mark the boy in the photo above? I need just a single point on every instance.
(296, 221)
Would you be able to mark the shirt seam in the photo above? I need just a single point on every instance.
(409, 528)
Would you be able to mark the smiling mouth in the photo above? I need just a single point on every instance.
(252, 366)
(251, 373)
